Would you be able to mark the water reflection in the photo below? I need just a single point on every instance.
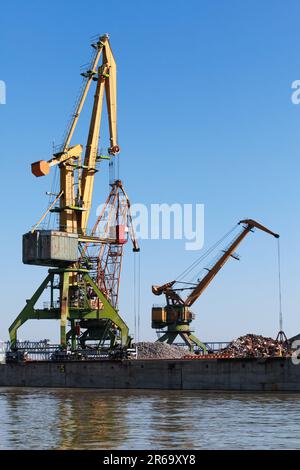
(96, 419)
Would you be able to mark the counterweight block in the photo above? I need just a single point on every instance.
(40, 168)
(50, 248)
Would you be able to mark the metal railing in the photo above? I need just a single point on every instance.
(216, 346)
(45, 351)
(47, 305)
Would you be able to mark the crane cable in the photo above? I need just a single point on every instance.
(190, 268)
(114, 169)
(54, 189)
(134, 298)
(196, 278)
(137, 295)
(279, 286)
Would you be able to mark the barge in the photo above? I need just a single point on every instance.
(226, 374)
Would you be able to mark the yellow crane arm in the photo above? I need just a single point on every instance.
(89, 75)
(250, 224)
(106, 77)
(106, 82)
(42, 167)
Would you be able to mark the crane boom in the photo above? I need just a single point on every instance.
(250, 224)
(89, 78)
(75, 209)
(107, 83)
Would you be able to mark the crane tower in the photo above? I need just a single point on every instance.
(83, 279)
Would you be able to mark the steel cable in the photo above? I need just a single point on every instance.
(279, 286)
(190, 268)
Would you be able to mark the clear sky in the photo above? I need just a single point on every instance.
(205, 116)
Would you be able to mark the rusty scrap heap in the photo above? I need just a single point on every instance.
(252, 345)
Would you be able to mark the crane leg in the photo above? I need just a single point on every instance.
(110, 313)
(28, 311)
(191, 341)
(72, 335)
(65, 284)
(168, 338)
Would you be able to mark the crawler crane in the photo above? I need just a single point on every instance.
(84, 275)
(174, 319)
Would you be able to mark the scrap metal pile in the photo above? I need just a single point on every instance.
(252, 345)
(249, 345)
(147, 350)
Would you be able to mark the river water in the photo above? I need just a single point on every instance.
(96, 419)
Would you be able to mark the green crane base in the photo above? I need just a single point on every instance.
(66, 313)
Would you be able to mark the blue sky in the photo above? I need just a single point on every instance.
(205, 116)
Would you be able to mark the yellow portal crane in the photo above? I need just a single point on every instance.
(75, 294)
(176, 315)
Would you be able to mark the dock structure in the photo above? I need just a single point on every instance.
(236, 374)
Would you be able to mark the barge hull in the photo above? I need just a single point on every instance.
(271, 374)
